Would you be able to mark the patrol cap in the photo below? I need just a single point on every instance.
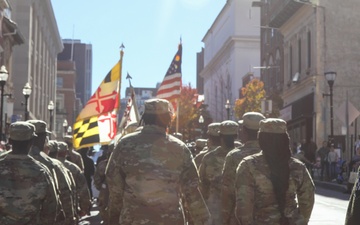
(178, 135)
(200, 143)
(40, 126)
(52, 144)
(22, 131)
(229, 127)
(62, 146)
(273, 125)
(251, 120)
(157, 106)
(68, 139)
(213, 129)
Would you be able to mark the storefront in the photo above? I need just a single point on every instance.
(299, 118)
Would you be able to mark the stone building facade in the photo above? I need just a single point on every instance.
(232, 49)
(35, 61)
(319, 36)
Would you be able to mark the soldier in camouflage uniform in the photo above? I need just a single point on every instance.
(249, 127)
(52, 151)
(83, 202)
(353, 215)
(73, 156)
(27, 191)
(101, 185)
(63, 181)
(212, 143)
(210, 170)
(271, 186)
(149, 171)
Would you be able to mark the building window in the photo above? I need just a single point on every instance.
(309, 49)
(299, 46)
(59, 82)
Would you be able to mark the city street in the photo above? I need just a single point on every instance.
(330, 209)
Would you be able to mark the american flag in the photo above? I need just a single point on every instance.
(170, 88)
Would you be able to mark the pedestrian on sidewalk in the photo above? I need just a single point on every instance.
(332, 159)
(323, 153)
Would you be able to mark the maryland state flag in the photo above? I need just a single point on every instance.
(99, 113)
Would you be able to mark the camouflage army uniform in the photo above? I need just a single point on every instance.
(63, 183)
(353, 215)
(82, 191)
(101, 185)
(75, 157)
(27, 192)
(255, 198)
(232, 161)
(147, 173)
(210, 180)
(210, 171)
(198, 158)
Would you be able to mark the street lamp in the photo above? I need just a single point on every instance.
(3, 78)
(201, 122)
(51, 110)
(65, 124)
(26, 93)
(330, 77)
(227, 107)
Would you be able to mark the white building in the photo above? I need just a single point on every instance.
(232, 49)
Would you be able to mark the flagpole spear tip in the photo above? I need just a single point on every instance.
(121, 49)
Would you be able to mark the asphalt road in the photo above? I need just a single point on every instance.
(329, 209)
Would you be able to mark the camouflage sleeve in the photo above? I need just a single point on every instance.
(99, 175)
(204, 181)
(189, 190)
(244, 191)
(353, 215)
(50, 206)
(65, 193)
(116, 184)
(228, 189)
(306, 195)
(83, 193)
(198, 159)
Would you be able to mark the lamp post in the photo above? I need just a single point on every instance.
(26, 93)
(330, 77)
(227, 107)
(51, 111)
(3, 78)
(201, 122)
(65, 124)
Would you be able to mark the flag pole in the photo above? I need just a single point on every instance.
(177, 115)
(119, 99)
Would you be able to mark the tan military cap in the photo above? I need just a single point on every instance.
(200, 143)
(157, 106)
(273, 125)
(62, 146)
(213, 129)
(178, 135)
(68, 138)
(53, 146)
(22, 131)
(40, 126)
(251, 120)
(229, 127)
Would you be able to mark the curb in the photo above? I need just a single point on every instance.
(331, 186)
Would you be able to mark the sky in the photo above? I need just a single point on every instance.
(149, 29)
